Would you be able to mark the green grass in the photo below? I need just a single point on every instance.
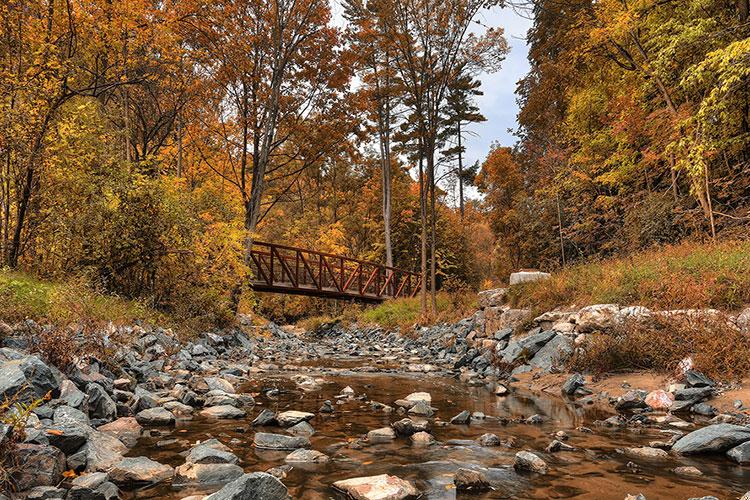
(404, 313)
(689, 275)
(23, 296)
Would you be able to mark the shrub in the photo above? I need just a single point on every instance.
(716, 347)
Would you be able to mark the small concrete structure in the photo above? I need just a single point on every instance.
(527, 276)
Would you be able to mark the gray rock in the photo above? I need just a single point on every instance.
(470, 480)
(45, 493)
(712, 439)
(126, 429)
(527, 461)
(292, 417)
(69, 437)
(382, 435)
(38, 465)
(407, 426)
(631, 400)
(155, 416)
(421, 409)
(307, 456)
(526, 347)
(73, 396)
(100, 404)
(100, 452)
(488, 440)
(207, 474)
(133, 471)
(265, 417)
(268, 441)
(301, 429)
(28, 377)
(740, 454)
(463, 418)
(554, 354)
(527, 277)
(211, 452)
(695, 378)
(573, 383)
(257, 485)
(223, 411)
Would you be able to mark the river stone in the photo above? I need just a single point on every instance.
(553, 354)
(28, 376)
(38, 465)
(155, 416)
(126, 429)
(659, 400)
(597, 317)
(647, 453)
(206, 474)
(422, 439)
(527, 461)
(463, 418)
(740, 454)
(419, 396)
(470, 480)
(265, 417)
(100, 404)
(421, 409)
(257, 485)
(268, 441)
(134, 471)
(179, 410)
(223, 411)
(631, 400)
(220, 384)
(292, 417)
(382, 487)
(69, 437)
(407, 426)
(301, 429)
(381, 435)
(100, 452)
(573, 383)
(211, 452)
(44, 493)
(712, 439)
(307, 456)
(527, 277)
(695, 378)
(488, 440)
(687, 471)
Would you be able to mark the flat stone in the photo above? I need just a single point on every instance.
(265, 417)
(218, 383)
(132, 471)
(292, 417)
(100, 452)
(421, 409)
(211, 452)
(126, 429)
(307, 456)
(527, 461)
(207, 474)
(470, 480)
(740, 454)
(223, 411)
(422, 439)
(257, 485)
(382, 435)
(301, 429)
(419, 396)
(462, 418)
(155, 416)
(647, 453)
(527, 277)
(712, 439)
(268, 441)
(382, 487)
(687, 471)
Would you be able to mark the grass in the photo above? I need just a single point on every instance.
(688, 275)
(23, 296)
(404, 313)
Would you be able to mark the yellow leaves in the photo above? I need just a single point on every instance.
(70, 474)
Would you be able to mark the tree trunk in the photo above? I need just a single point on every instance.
(460, 173)
(433, 223)
(423, 221)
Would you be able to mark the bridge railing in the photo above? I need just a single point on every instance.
(286, 268)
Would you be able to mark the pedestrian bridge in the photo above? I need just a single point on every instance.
(297, 271)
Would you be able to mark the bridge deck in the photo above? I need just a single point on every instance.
(296, 271)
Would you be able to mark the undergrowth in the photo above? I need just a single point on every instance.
(688, 275)
(717, 347)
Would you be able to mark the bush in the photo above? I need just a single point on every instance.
(716, 347)
(689, 275)
(404, 313)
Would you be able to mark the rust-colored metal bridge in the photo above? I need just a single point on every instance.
(296, 271)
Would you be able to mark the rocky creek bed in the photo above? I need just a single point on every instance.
(267, 413)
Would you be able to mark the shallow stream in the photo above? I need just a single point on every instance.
(596, 470)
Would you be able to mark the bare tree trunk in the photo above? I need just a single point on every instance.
(179, 145)
(433, 223)
(559, 225)
(423, 220)
(460, 173)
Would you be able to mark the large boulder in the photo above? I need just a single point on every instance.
(207, 474)
(598, 317)
(492, 298)
(526, 347)
(38, 465)
(211, 451)
(252, 486)
(28, 377)
(99, 454)
(527, 461)
(382, 487)
(126, 429)
(743, 320)
(712, 439)
(223, 411)
(155, 416)
(527, 277)
(554, 354)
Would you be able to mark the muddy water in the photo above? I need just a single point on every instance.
(595, 471)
